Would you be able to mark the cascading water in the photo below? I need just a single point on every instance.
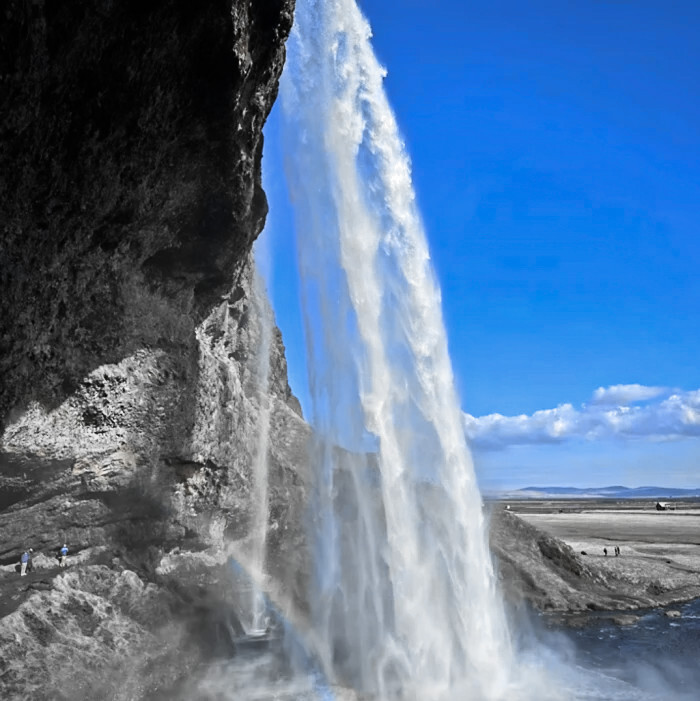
(404, 603)
(260, 498)
(405, 599)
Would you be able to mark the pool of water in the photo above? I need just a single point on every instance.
(658, 655)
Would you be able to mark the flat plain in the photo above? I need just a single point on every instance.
(658, 547)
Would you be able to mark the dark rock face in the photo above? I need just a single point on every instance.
(131, 406)
(130, 194)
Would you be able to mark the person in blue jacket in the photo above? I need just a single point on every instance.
(62, 555)
(25, 561)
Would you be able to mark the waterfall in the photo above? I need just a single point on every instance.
(405, 598)
(260, 495)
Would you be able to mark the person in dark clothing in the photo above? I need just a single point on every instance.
(605, 550)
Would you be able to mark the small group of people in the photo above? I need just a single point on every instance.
(26, 565)
(617, 551)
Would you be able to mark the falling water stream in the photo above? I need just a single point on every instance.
(405, 592)
(260, 498)
(404, 603)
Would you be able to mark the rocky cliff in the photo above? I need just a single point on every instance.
(130, 338)
(130, 149)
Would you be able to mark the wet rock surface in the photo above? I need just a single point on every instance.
(97, 631)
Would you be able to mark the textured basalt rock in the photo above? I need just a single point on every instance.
(149, 439)
(102, 633)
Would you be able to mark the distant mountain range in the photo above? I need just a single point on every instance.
(614, 492)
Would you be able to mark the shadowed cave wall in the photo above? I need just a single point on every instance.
(130, 147)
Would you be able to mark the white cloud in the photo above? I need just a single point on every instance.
(626, 394)
(676, 416)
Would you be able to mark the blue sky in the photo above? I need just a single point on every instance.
(556, 159)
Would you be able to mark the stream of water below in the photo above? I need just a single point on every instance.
(657, 653)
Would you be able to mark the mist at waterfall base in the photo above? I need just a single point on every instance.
(404, 603)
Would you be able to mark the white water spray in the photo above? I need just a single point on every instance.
(405, 587)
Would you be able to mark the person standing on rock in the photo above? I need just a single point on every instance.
(24, 561)
(62, 555)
